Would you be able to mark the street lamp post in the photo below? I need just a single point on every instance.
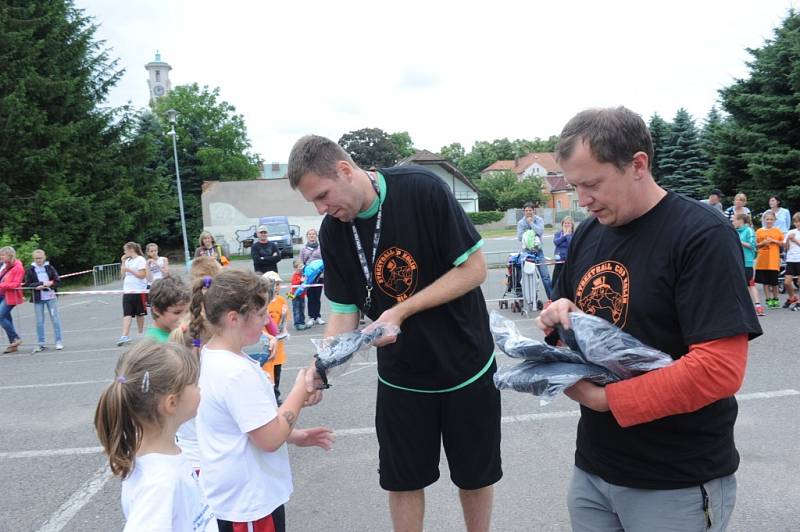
(171, 116)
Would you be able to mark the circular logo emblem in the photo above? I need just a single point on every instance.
(396, 273)
(604, 291)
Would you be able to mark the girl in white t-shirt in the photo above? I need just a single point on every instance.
(241, 431)
(792, 246)
(154, 391)
(157, 267)
(134, 285)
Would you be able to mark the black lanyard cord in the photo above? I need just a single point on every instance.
(362, 256)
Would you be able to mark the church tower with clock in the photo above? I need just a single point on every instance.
(158, 82)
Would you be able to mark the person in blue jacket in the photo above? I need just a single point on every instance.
(561, 240)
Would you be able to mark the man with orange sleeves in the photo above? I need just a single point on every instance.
(654, 452)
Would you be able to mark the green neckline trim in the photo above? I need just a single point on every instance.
(343, 308)
(454, 388)
(464, 256)
(373, 209)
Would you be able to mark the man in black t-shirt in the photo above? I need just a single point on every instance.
(654, 452)
(399, 247)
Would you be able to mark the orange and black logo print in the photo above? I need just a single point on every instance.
(604, 291)
(396, 273)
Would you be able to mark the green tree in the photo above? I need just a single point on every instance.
(682, 163)
(660, 132)
(70, 165)
(502, 190)
(212, 146)
(482, 155)
(537, 145)
(370, 147)
(403, 144)
(453, 152)
(758, 146)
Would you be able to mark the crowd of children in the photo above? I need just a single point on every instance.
(191, 423)
(762, 252)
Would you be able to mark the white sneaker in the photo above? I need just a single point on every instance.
(123, 340)
(38, 349)
(320, 321)
(59, 346)
(310, 322)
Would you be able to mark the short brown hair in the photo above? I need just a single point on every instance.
(614, 135)
(166, 292)
(316, 154)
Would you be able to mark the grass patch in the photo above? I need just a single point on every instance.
(494, 233)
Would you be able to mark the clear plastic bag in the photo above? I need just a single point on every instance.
(335, 353)
(512, 343)
(596, 350)
(607, 345)
(546, 380)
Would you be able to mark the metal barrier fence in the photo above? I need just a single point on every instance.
(106, 273)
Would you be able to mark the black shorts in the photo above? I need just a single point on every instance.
(793, 268)
(134, 305)
(748, 273)
(412, 426)
(767, 277)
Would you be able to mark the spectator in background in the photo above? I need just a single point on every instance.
(561, 240)
(207, 247)
(298, 302)
(134, 287)
(157, 267)
(783, 219)
(792, 246)
(738, 207)
(11, 275)
(741, 222)
(530, 221)
(312, 251)
(43, 278)
(769, 241)
(714, 199)
(265, 254)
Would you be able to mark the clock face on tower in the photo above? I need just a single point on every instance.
(158, 90)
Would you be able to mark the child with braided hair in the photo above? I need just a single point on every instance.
(242, 432)
(154, 391)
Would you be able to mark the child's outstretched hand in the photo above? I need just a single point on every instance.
(322, 437)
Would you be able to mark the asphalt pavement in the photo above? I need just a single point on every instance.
(54, 477)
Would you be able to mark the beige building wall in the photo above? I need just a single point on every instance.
(231, 206)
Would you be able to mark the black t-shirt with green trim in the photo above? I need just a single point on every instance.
(671, 278)
(424, 233)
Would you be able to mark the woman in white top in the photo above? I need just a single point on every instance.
(738, 207)
(157, 267)
(133, 267)
(783, 219)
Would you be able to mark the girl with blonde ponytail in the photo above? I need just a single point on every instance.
(153, 392)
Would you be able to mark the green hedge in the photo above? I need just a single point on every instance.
(485, 217)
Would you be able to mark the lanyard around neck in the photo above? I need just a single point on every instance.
(362, 256)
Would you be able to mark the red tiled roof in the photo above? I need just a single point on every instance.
(499, 165)
(557, 183)
(546, 159)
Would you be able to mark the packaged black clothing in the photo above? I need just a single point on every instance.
(334, 354)
(598, 352)
(424, 234)
(651, 278)
(548, 379)
(512, 343)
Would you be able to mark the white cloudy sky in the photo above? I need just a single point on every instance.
(444, 71)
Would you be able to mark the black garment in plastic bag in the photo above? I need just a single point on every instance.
(335, 353)
(596, 351)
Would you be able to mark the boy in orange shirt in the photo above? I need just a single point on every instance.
(278, 310)
(769, 241)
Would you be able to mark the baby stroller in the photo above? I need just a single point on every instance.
(522, 284)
